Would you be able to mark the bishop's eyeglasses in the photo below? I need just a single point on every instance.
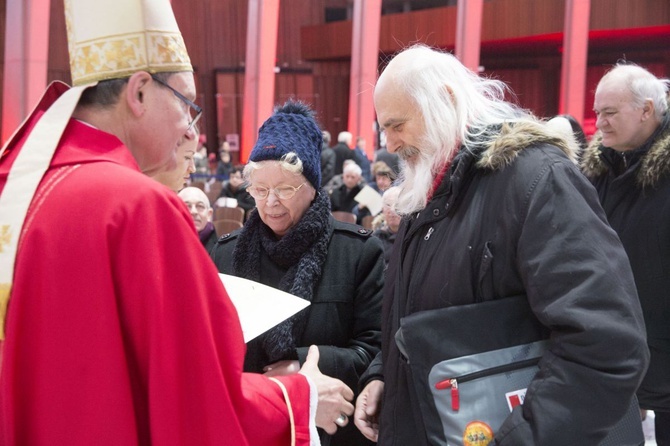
(185, 100)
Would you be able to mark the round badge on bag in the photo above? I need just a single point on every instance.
(477, 433)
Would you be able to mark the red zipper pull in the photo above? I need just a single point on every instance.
(455, 400)
(453, 385)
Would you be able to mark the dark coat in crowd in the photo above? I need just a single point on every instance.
(518, 218)
(342, 199)
(634, 189)
(342, 153)
(327, 164)
(244, 200)
(208, 237)
(388, 239)
(344, 316)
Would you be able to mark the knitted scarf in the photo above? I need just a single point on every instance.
(302, 252)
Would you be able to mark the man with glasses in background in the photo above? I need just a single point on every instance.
(119, 330)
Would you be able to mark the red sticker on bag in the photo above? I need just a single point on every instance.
(515, 398)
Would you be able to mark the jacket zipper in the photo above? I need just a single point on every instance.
(430, 231)
(452, 383)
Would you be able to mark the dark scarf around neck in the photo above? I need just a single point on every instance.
(302, 252)
(206, 232)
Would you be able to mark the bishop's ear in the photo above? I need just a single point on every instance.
(136, 92)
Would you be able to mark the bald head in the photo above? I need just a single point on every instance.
(198, 205)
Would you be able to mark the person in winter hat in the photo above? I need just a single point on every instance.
(293, 243)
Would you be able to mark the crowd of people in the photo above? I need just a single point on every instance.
(119, 329)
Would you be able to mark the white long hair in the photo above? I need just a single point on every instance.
(457, 106)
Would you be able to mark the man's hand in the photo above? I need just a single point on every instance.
(334, 407)
(368, 404)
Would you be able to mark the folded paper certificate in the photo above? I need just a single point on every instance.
(370, 198)
(226, 202)
(259, 306)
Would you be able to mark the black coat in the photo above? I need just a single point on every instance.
(637, 204)
(518, 219)
(342, 199)
(342, 153)
(345, 315)
(244, 200)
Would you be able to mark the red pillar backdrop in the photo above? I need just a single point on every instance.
(575, 54)
(469, 32)
(259, 79)
(364, 61)
(26, 57)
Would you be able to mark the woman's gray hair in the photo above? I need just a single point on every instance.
(289, 162)
(643, 85)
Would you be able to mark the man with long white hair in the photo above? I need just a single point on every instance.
(494, 207)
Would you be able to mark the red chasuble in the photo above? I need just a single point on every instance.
(119, 331)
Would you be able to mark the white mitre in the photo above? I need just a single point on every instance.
(107, 39)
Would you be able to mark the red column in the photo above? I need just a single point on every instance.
(364, 64)
(575, 54)
(469, 32)
(26, 57)
(259, 77)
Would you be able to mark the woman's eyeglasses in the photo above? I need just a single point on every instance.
(281, 192)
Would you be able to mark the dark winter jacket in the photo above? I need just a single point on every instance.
(637, 204)
(244, 200)
(518, 218)
(342, 153)
(342, 199)
(344, 316)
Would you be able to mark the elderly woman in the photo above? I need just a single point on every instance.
(293, 243)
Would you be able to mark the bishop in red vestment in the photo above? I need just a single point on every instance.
(121, 333)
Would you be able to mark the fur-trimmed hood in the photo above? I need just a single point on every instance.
(654, 164)
(517, 136)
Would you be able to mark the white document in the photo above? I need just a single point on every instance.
(370, 198)
(259, 306)
(226, 202)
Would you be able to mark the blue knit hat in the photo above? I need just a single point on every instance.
(292, 128)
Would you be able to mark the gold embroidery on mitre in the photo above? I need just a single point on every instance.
(5, 237)
(5, 288)
(120, 56)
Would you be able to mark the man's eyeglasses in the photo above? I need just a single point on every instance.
(185, 100)
(281, 192)
(199, 206)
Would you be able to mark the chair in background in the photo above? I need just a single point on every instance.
(347, 217)
(212, 195)
(215, 188)
(225, 226)
(199, 184)
(224, 213)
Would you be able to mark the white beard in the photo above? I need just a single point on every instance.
(416, 181)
